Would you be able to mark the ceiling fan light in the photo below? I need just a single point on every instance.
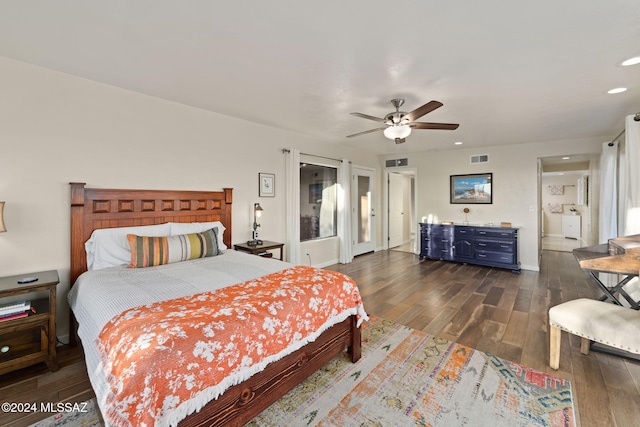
(397, 131)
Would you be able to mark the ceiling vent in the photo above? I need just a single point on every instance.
(480, 158)
(392, 163)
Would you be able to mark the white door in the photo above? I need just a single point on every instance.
(396, 210)
(362, 212)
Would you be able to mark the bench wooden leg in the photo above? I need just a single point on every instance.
(584, 345)
(554, 347)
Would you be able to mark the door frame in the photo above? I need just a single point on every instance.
(354, 213)
(385, 204)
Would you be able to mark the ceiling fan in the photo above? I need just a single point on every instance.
(399, 124)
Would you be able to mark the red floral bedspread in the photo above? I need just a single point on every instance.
(168, 359)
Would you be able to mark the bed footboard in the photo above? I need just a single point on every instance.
(241, 403)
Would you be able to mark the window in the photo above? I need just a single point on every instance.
(318, 201)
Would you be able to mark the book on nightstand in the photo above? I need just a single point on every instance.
(14, 316)
(14, 309)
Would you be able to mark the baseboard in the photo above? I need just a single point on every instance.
(326, 264)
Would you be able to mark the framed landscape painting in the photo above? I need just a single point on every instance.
(471, 189)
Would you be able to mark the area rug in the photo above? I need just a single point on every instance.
(86, 416)
(407, 377)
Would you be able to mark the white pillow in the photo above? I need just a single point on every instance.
(178, 228)
(108, 247)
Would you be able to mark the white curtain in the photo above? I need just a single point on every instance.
(293, 205)
(608, 214)
(344, 212)
(632, 171)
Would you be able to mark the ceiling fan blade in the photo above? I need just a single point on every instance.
(366, 131)
(443, 126)
(421, 111)
(366, 116)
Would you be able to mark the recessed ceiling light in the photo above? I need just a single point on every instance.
(617, 90)
(561, 173)
(458, 143)
(566, 158)
(631, 61)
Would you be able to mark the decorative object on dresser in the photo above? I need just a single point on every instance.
(28, 327)
(491, 246)
(262, 249)
(473, 188)
(257, 212)
(267, 185)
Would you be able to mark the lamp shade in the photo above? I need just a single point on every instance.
(2, 227)
(397, 131)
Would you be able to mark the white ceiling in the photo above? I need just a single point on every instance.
(509, 72)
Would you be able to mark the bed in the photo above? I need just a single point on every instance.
(242, 398)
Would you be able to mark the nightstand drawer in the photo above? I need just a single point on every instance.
(22, 342)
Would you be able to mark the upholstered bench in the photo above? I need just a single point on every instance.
(593, 320)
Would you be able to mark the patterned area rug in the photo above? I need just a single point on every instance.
(407, 377)
(88, 416)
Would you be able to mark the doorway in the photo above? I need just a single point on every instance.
(568, 215)
(401, 224)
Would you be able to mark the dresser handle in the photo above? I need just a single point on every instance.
(482, 244)
(482, 232)
(4, 349)
(504, 246)
(482, 255)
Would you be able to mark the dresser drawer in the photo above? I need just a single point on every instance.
(494, 245)
(496, 257)
(463, 232)
(495, 234)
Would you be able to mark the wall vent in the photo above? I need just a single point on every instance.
(392, 163)
(480, 158)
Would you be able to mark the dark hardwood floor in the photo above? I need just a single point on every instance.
(492, 310)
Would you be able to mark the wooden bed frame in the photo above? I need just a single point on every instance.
(94, 208)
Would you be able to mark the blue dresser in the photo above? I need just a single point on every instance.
(473, 244)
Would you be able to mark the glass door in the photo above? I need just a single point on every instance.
(363, 214)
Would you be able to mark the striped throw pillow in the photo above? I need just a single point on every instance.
(147, 251)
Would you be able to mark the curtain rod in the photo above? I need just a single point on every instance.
(636, 118)
(286, 150)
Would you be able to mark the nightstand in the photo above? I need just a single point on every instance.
(28, 340)
(261, 250)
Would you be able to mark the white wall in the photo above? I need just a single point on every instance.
(56, 128)
(515, 182)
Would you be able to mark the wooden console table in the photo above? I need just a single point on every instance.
(618, 256)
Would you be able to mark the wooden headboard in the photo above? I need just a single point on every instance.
(94, 208)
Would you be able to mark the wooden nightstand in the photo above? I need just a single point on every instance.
(29, 340)
(260, 249)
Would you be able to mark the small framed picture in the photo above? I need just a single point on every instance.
(267, 184)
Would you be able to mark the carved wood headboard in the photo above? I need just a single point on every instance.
(94, 208)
